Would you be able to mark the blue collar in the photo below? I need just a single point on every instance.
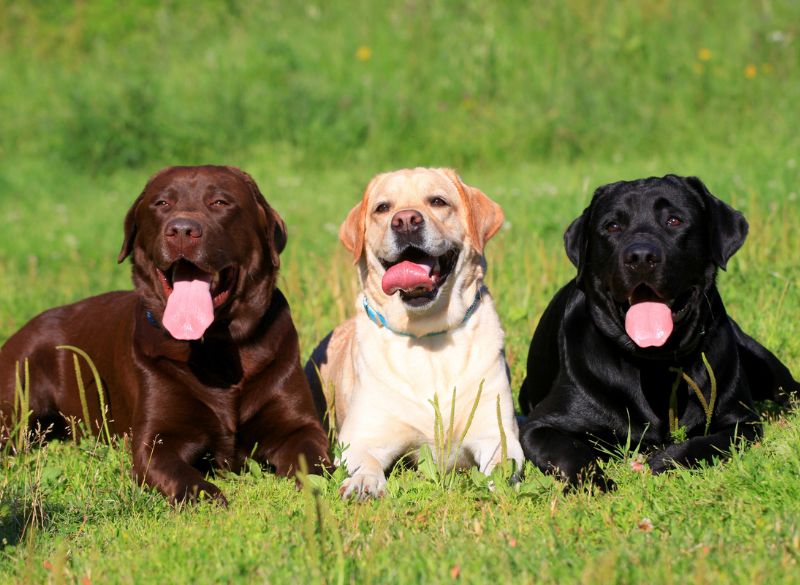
(152, 320)
(380, 320)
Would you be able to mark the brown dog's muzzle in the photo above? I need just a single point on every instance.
(182, 234)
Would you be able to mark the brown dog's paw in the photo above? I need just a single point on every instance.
(202, 492)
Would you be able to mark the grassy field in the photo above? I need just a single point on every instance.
(537, 104)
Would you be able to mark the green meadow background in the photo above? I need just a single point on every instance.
(537, 103)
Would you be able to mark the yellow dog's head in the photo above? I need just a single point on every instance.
(418, 237)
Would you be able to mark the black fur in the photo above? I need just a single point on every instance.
(589, 385)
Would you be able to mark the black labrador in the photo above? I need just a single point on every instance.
(639, 345)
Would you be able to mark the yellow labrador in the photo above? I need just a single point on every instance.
(425, 324)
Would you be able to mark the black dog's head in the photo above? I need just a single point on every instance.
(647, 252)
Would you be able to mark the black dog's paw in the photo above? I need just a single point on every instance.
(590, 477)
(594, 476)
(665, 459)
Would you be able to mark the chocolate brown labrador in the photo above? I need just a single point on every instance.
(200, 363)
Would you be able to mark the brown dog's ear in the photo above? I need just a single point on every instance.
(728, 227)
(484, 216)
(352, 230)
(130, 230)
(279, 237)
(272, 223)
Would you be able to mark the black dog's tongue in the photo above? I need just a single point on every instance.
(649, 324)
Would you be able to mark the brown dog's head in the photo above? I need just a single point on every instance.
(205, 246)
(418, 237)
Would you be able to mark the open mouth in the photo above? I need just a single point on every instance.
(650, 318)
(220, 284)
(644, 293)
(418, 276)
(192, 295)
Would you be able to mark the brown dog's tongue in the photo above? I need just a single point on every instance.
(649, 324)
(190, 309)
(408, 276)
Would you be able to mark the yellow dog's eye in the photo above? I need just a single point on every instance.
(437, 202)
(382, 208)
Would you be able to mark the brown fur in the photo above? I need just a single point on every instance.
(237, 392)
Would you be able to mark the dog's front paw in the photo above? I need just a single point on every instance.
(363, 486)
(662, 460)
(200, 492)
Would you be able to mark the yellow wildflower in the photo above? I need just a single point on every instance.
(750, 71)
(363, 53)
(704, 54)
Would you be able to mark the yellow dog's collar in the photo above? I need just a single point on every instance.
(379, 320)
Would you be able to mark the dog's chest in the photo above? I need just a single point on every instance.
(420, 368)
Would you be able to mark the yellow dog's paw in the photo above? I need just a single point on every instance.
(363, 486)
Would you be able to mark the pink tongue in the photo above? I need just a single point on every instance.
(407, 276)
(649, 324)
(190, 309)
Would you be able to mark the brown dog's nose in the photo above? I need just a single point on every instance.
(407, 221)
(183, 226)
(642, 256)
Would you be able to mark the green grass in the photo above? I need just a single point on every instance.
(536, 105)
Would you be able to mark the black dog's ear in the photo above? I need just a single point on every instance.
(130, 230)
(728, 226)
(575, 240)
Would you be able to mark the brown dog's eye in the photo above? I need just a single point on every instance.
(674, 221)
(219, 203)
(437, 202)
(161, 203)
(382, 208)
(613, 227)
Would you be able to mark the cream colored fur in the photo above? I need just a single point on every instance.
(382, 383)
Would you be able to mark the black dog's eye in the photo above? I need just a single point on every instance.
(674, 221)
(437, 202)
(613, 227)
(382, 208)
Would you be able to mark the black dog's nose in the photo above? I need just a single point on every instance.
(642, 255)
(407, 221)
(183, 226)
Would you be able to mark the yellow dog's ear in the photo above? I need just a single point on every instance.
(352, 231)
(484, 216)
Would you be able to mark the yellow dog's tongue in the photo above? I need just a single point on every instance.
(649, 324)
(408, 276)
(190, 309)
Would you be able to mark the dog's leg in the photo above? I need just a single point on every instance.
(487, 451)
(161, 464)
(564, 455)
(698, 449)
(767, 377)
(366, 460)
